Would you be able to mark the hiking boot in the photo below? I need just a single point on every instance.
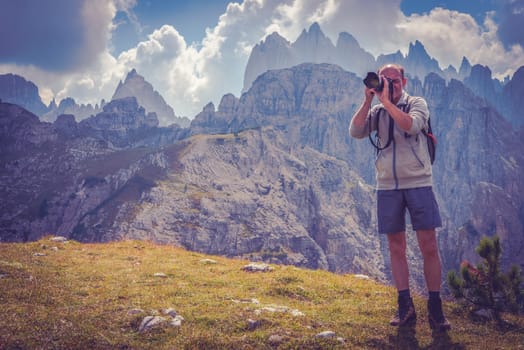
(406, 314)
(436, 318)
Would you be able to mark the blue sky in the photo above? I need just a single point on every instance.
(194, 52)
(191, 18)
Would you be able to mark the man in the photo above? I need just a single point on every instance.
(404, 181)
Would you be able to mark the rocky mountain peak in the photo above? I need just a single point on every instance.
(228, 104)
(418, 50)
(16, 89)
(273, 41)
(512, 98)
(311, 46)
(122, 114)
(68, 105)
(67, 102)
(396, 57)
(274, 52)
(313, 40)
(347, 40)
(465, 68)
(418, 62)
(480, 82)
(136, 86)
(133, 74)
(434, 88)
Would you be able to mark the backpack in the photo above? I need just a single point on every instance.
(430, 137)
(432, 142)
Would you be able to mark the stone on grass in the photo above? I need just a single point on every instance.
(149, 322)
(326, 334)
(253, 324)
(208, 261)
(362, 277)
(281, 309)
(275, 339)
(176, 321)
(170, 311)
(135, 311)
(257, 267)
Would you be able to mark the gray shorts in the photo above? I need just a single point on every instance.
(420, 203)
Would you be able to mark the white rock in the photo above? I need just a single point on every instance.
(257, 267)
(149, 322)
(135, 311)
(326, 334)
(253, 324)
(177, 321)
(362, 277)
(275, 339)
(170, 311)
(208, 261)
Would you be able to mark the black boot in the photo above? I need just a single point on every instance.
(437, 321)
(406, 314)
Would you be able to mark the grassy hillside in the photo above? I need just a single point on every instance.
(56, 295)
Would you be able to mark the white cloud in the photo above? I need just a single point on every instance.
(190, 76)
(450, 35)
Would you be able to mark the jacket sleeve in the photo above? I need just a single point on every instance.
(361, 132)
(419, 112)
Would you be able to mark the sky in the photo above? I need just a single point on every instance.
(194, 52)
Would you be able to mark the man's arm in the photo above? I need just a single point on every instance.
(401, 118)
(358, 121)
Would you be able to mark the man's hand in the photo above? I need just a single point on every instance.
(383, 96)
(368, 94)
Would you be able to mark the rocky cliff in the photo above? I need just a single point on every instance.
(50, 172)
(275, 52)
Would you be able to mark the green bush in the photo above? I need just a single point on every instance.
(485, 286)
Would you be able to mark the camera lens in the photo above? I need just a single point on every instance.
(373, 81)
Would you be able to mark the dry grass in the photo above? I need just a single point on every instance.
(78, 296)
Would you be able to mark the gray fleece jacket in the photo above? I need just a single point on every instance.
(405, 163)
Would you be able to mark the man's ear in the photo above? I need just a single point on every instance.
(404, 82)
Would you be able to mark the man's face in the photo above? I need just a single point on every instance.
(395, 76)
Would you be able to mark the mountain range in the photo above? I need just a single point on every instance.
(272, 175)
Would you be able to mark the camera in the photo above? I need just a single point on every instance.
(373, 81)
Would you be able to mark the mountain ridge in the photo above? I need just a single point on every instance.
(272, 175)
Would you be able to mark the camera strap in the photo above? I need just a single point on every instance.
(390, 133)
(391, 125)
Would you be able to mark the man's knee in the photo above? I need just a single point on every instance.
(397, 243)
(428, 243)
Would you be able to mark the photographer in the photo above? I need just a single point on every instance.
(404, 181)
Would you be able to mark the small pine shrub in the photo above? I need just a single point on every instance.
(485, 286)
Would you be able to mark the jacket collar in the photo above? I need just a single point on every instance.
(403, 99)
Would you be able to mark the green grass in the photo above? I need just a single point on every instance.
(78, 296)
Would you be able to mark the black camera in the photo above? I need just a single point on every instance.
(373, 81)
